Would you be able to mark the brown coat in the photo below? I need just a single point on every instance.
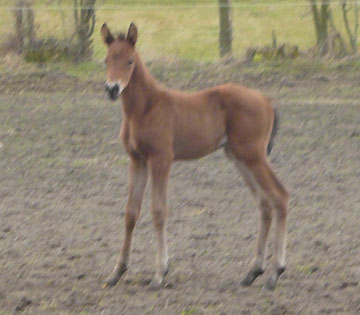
(161, 125)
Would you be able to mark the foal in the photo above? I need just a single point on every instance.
(161, 125)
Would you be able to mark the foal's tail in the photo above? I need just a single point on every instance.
(274, 131)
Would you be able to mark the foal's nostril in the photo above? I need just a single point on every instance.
(113, 91)
(116, 89)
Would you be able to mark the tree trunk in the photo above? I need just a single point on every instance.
(225, 33)
(19, 25)
(321, 17)
(24, 24)
(84, 15)
(352, 34)
(30, 27)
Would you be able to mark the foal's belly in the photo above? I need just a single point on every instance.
(195, 152)
(193, 145)
(199, 130)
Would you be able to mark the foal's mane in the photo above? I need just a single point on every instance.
(121, 36)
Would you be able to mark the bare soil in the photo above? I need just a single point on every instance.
(63, 187)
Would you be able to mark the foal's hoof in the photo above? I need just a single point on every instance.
(270, 284)
(251, 276)
(158, 280)
(111, 282)
(155, 285)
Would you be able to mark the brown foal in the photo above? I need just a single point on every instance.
(161, 125)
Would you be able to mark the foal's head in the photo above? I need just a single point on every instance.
(120, 59)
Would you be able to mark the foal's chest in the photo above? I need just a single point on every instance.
(142, 140)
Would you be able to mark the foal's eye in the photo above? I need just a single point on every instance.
(130, 62)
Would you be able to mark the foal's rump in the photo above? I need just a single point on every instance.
(250, 119)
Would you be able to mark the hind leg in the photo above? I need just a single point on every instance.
(258, 267)
(274, 201)
(274, 195)
(266, 215)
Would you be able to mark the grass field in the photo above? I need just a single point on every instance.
(180, 28)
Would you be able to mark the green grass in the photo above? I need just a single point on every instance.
(178, 29)
(191, 311)
(192, 33)
(91, 70)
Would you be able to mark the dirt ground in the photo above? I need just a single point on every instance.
(63, 186)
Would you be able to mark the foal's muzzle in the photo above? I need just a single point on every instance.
(113, 91)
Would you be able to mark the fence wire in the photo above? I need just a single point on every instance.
(105, 7)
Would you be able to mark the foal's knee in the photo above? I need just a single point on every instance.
(130, 219)
(281, 213)
(285, 196)
(266, 210)
(159, 217)
(280, 202)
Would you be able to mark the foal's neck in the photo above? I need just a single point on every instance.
(141, 91)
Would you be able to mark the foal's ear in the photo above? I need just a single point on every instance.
(131, 36)
(106, 35)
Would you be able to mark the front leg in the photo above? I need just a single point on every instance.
(138, 175)
(159, 170)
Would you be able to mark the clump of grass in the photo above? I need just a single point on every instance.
(190, 311)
